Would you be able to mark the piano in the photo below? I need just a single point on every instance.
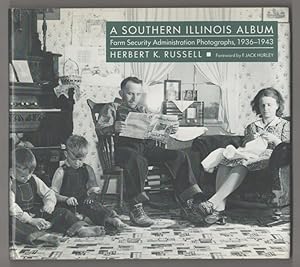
(42, 119)
(29, 106)
(35, 112)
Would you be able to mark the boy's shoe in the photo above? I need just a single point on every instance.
(138, 216)
(48, 239)
(117, 223)
(91, 231)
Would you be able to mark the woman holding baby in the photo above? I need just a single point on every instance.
(268, 105)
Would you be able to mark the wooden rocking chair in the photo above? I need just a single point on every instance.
(105, 149)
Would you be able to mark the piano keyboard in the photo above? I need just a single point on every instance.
(34, 110)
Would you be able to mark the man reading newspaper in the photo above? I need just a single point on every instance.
(134, 155)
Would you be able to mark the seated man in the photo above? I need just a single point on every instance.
(134, 156)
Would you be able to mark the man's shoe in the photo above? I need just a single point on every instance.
(190, 213)
(138, 216)
(205, 208)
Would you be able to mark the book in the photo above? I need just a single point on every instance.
(215, 70)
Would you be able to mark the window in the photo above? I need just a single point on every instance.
(191, 79)
(210, 94)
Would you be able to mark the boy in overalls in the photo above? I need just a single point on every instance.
(76, 187)
(32, 207)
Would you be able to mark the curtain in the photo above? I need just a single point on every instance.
(150, 72)
(188, 14)
(153, 71)
(224, 75)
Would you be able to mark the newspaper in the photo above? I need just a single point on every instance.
(149, 126)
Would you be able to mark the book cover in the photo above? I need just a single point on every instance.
(83, 186)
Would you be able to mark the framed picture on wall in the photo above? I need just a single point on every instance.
(172, 90)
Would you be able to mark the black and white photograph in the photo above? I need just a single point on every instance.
(172, 90)
(217, 186)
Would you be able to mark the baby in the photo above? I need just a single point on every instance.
(32, 207)
(76, 188)
(252, 149)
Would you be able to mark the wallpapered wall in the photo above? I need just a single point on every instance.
(80, 35)
(255, 76)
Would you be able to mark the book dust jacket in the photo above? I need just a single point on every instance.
(149, 133)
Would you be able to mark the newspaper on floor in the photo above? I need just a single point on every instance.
(149, 126)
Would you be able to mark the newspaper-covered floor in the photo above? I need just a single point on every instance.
(174, 238)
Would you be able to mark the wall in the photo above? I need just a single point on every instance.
(255, 76)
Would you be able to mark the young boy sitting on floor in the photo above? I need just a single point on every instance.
(76, 188)
(32, 207)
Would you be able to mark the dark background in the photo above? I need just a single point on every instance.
(294, 6)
